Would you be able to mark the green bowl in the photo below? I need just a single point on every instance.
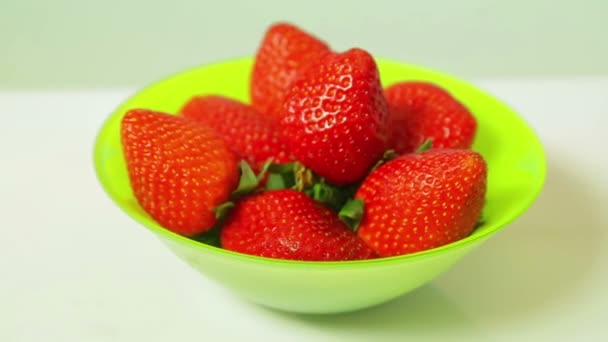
(516, 173)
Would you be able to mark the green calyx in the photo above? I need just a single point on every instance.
(387, 156)
(426, 145)
(332, 196)
(352, 213)
(222, 209)
(296, 176)
(282, 176)
(249, 182)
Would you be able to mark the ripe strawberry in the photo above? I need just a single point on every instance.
(421, 111)
(422, 200)
(284, 52)
(287, 224)
(179, 170)
(335, 116)
(251, 136)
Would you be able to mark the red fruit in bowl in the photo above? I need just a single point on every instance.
(335, 116)
(287, 224)
(250, 135)
(179, 170)
(285, 51)
(421, 111)
(420, 201)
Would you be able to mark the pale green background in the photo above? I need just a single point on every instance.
(69, 44)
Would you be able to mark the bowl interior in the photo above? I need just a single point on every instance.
(516, 162)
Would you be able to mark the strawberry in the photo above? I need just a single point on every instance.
(250, 135)
(335, 116)
(284, 52)
(420, 201)
(179, 170)
(421, 111)
(287, 224)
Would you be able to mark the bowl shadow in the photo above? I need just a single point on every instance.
(417, 314)
(530, 267)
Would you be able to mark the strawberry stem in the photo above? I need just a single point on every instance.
(352, 213)
(304, 177)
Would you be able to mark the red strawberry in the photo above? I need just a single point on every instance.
(284, 52)
(335, 116)
(421, 111)
(250, 135)
(287, 224)
(422, 200)
(179, 170)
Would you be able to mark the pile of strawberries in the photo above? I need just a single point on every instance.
(324, 164)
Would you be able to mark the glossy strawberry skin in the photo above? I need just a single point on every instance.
(287, 224)
(335, 116)
(178, 170)
(285, 51)
(421, 111)
(250, 135)
(422, 200)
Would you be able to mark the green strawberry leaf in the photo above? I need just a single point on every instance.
(281, 176)
(222, 210)
(330, 195)
(387, 156)
(275, 182)
(248, 181)
(325, 194)
(352, 213)
(282, 168)
(295, 175)
(426, 145)
(265, 169)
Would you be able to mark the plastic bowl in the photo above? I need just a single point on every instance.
(516, 173)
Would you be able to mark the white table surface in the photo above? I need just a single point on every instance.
(75, 268)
